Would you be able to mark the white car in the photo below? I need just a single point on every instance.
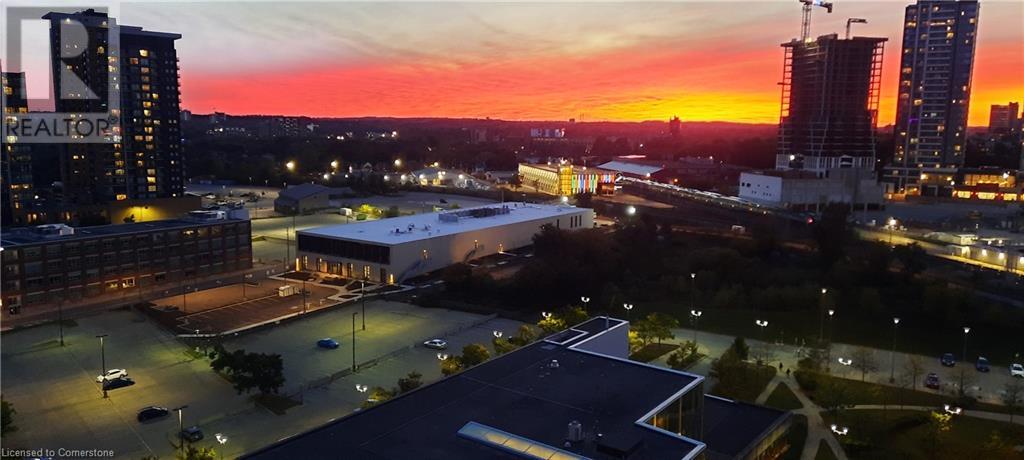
(111, 375)
(1016, 370)
(436, 344)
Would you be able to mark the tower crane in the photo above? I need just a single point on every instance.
(853, 21)
(805, 25)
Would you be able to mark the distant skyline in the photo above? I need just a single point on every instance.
(701, 61)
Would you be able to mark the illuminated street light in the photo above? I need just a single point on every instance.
(763, 324)
(695, 316)
(290, 165)
(362, 388)
(334, 164)
(442, 356)
(629, 308)
(327, 176)
(398, 163)
(952, 410)
(545, 314)
(845, 361)
(630, 210)
(565, 199)
(497, 334)
(892, 360)
(966, 331)
(222, 439)
(841, 431)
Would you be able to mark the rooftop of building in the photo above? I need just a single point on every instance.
(577, 169)
(300, 191)
(520, 394)
(91, 17)
(33, 235)
(417, 227)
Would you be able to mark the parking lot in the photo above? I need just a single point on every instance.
(59, 404)
(226, 308)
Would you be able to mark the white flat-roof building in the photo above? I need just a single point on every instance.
(394, 250)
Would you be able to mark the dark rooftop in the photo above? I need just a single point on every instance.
(30, 235)
(730, 425)
(520, 394)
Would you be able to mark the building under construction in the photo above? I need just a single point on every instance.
(830, 91)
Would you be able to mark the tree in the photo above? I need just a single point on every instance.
(249, 371)
(832, 394)
(377, 396)
(656, 326)
(864, 361)
(197, 453)
(524, 335)
(451, 365)
(966, 378)
(683, 357)
(7, 418)
(913, 259)
(1013, 396)
(410, 382)
(474, 354)
(831, 233)
(515, 182)
(913, 368)
(740, 348)
(502, 345)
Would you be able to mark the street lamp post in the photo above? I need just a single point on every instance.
(966, 330)
(304, 295)
(821, 319)
(892, 358)
(181, 427)
(695, 316)
(828, 350)
(763, 324)
(693, 290)
(103, 363)
(222, 439)
(892, 228)
(354, 340)
(362, 299)
(60, 321)
(629, 308)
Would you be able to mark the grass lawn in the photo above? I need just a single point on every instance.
(913, 435)
(746, 385)
(797, 437)
(859, 393)
(824, 452)
(652, 351)
(782, 398)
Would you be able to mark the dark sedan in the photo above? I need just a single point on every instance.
(932, 381)
(152, 413)
(948, 360)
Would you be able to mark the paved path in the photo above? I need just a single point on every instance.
(816, 429)
(995, 416)
(761, 398)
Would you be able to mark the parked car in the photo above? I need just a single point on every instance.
(152, 413)
(932, 381)
(111, 375)
(192, 434)
(328, 343)
(1017, 370)
(982, 364)
(120, 382)
(437, 344)
(948, 360)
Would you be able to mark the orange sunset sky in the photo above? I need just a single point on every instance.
(702, 61)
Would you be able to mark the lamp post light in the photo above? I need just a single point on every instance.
(362, 388)
(290, 165)
(181, 427)
(695, 316)
(966, 331)
(821, 318)
(362, 299)
(693, 290)
(828, 351)
(762, 324)
(222, 439)
(845, 361)
(892, 357)
(629, 308)
(952, 410)
(354, 340)
(103, 362)
(585, 300)
(497, 334)
(630, 210)
(892, 228)
(840, 430)
(546, 314)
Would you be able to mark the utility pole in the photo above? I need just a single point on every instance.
(181, 428)
(60, 321)
(354, 340)
(362, 299)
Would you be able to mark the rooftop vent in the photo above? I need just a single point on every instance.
(575, 433)
(54, 230)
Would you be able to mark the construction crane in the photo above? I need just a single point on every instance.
(805, 25)
(853, 21)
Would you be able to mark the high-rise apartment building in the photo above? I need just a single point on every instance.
(830, 90)
(16, 161)
(133, 75)
(934, 92)
(1003, 119)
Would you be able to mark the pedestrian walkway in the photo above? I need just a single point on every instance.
(816, 429)
(995, 416)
